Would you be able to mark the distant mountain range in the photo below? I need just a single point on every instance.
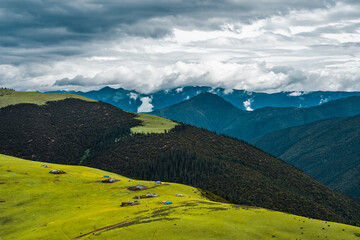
(133, 101)
(214, 113)
(78, 132)
(328, 150)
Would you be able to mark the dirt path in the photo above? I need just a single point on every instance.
(106, 228)
(125, 223)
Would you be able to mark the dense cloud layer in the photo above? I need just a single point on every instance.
(149, 45)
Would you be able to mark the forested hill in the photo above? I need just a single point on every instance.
(59, 131)
(97, 134)
(327, 150)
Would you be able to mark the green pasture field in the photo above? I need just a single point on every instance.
(8, 97)
(153, 124)
(35, 204)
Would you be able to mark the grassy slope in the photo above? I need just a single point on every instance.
(37, 205)
(8, 97)
(153, 124)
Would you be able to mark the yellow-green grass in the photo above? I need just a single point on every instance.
(153, 124)
(35, 204)
(11, 97)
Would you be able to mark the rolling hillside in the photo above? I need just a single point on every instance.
(212, 112)
(10, 97)
(60, 131)
(99, 135)
(327, 150)
(37, 205)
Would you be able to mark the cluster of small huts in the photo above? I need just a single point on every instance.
(132, 188)
(148, 195)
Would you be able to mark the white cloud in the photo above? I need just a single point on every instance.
(146, 105)
(134, 96)
(102, 58)
(247, 105)
(296, 94)
(343, 37)
(323, 100)
(313, 46)
(228, 91)
(180, 89)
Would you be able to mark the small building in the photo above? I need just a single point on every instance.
(106, 176)
(158, 182)
(130, 203)
(110, 180)
(44, 166)
(179, 195)
(57, 172)
(166, 202)
(137, 188)
(148, 195)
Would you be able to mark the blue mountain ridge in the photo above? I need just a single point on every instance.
(131, 100)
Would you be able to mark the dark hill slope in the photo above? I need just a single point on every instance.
(59, 131)
(250, 125)
(206, 110)
(328, 150)
(63, 131)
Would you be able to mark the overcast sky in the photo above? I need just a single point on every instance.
(148, 45)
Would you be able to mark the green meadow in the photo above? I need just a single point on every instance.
(9, 97)
(153, 124)
(35, 204)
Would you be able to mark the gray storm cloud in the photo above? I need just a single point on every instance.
(150, 45)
